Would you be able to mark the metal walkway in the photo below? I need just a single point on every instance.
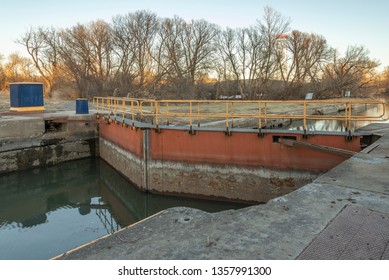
(261, 114)
(356, 233)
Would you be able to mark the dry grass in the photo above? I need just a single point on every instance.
(50, 103)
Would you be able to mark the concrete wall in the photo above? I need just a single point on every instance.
(27, 142)
(212, 165)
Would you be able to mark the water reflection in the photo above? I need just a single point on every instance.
(48, 211)
(338, 125)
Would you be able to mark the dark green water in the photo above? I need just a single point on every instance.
(47, 211)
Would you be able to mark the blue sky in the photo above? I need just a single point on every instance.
(341, 22)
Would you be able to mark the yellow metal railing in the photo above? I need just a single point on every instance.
(192, 112)
(117, 107)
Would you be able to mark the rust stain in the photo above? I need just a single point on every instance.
(241, 149)
(246, 149)
(124, 137)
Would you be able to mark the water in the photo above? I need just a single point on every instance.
(337, 125)
(47, 211)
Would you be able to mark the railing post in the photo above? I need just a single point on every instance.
(190, 115)
(227, 115)
(109, 107)
(156, 112)
(123, 109)
(198, 114)
(260, 133)
(167, 113)
(132, 113)
(102, 106)
(305, 120)
(141, 110)
(259, 115)
(115, 108)
(305, 115)
(232, 114)
(227, 132)
(348, 117)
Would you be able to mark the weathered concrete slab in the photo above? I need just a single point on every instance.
(21, 127)
(363, 171)
(28, 141)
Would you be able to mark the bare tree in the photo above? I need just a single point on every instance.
(300, 59)
(41, 45)
(273, 27)
(197, 41)
(187, 50)
(86, 51)
(385, 79)
(241, 52)
(250, 53)
(354, 71)
(2, 73)
(135, 34)
(171, 51)
(19, 68)
(124, 54)
(147, 56)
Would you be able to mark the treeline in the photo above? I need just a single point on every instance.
(142, 55)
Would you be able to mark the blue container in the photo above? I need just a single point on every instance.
(24, 95)
(82, 106)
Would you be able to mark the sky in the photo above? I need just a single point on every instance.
(342, 22)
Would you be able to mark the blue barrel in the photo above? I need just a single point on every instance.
(82, 106)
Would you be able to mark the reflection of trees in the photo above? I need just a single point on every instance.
(33, 221)
(28, 196)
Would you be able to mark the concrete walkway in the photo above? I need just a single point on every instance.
(289, 227)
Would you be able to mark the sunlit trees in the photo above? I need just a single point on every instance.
(385, 79)
(134, 36)
(354, 71)
(250, 54)
(141, 55)
(186, 51)
(300, 60)
(42, 46)
(2, 73)
(18, 69)
(86, 52)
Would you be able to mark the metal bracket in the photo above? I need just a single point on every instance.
(260, 133)
(228, 132)
(305, 135)
(157, 129)
(349, 137)
(191, 131)
(106, 120)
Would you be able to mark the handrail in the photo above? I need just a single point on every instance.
(115, 106)
(193, 111)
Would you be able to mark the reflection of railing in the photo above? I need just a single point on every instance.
(196, 112)
(107, 220)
